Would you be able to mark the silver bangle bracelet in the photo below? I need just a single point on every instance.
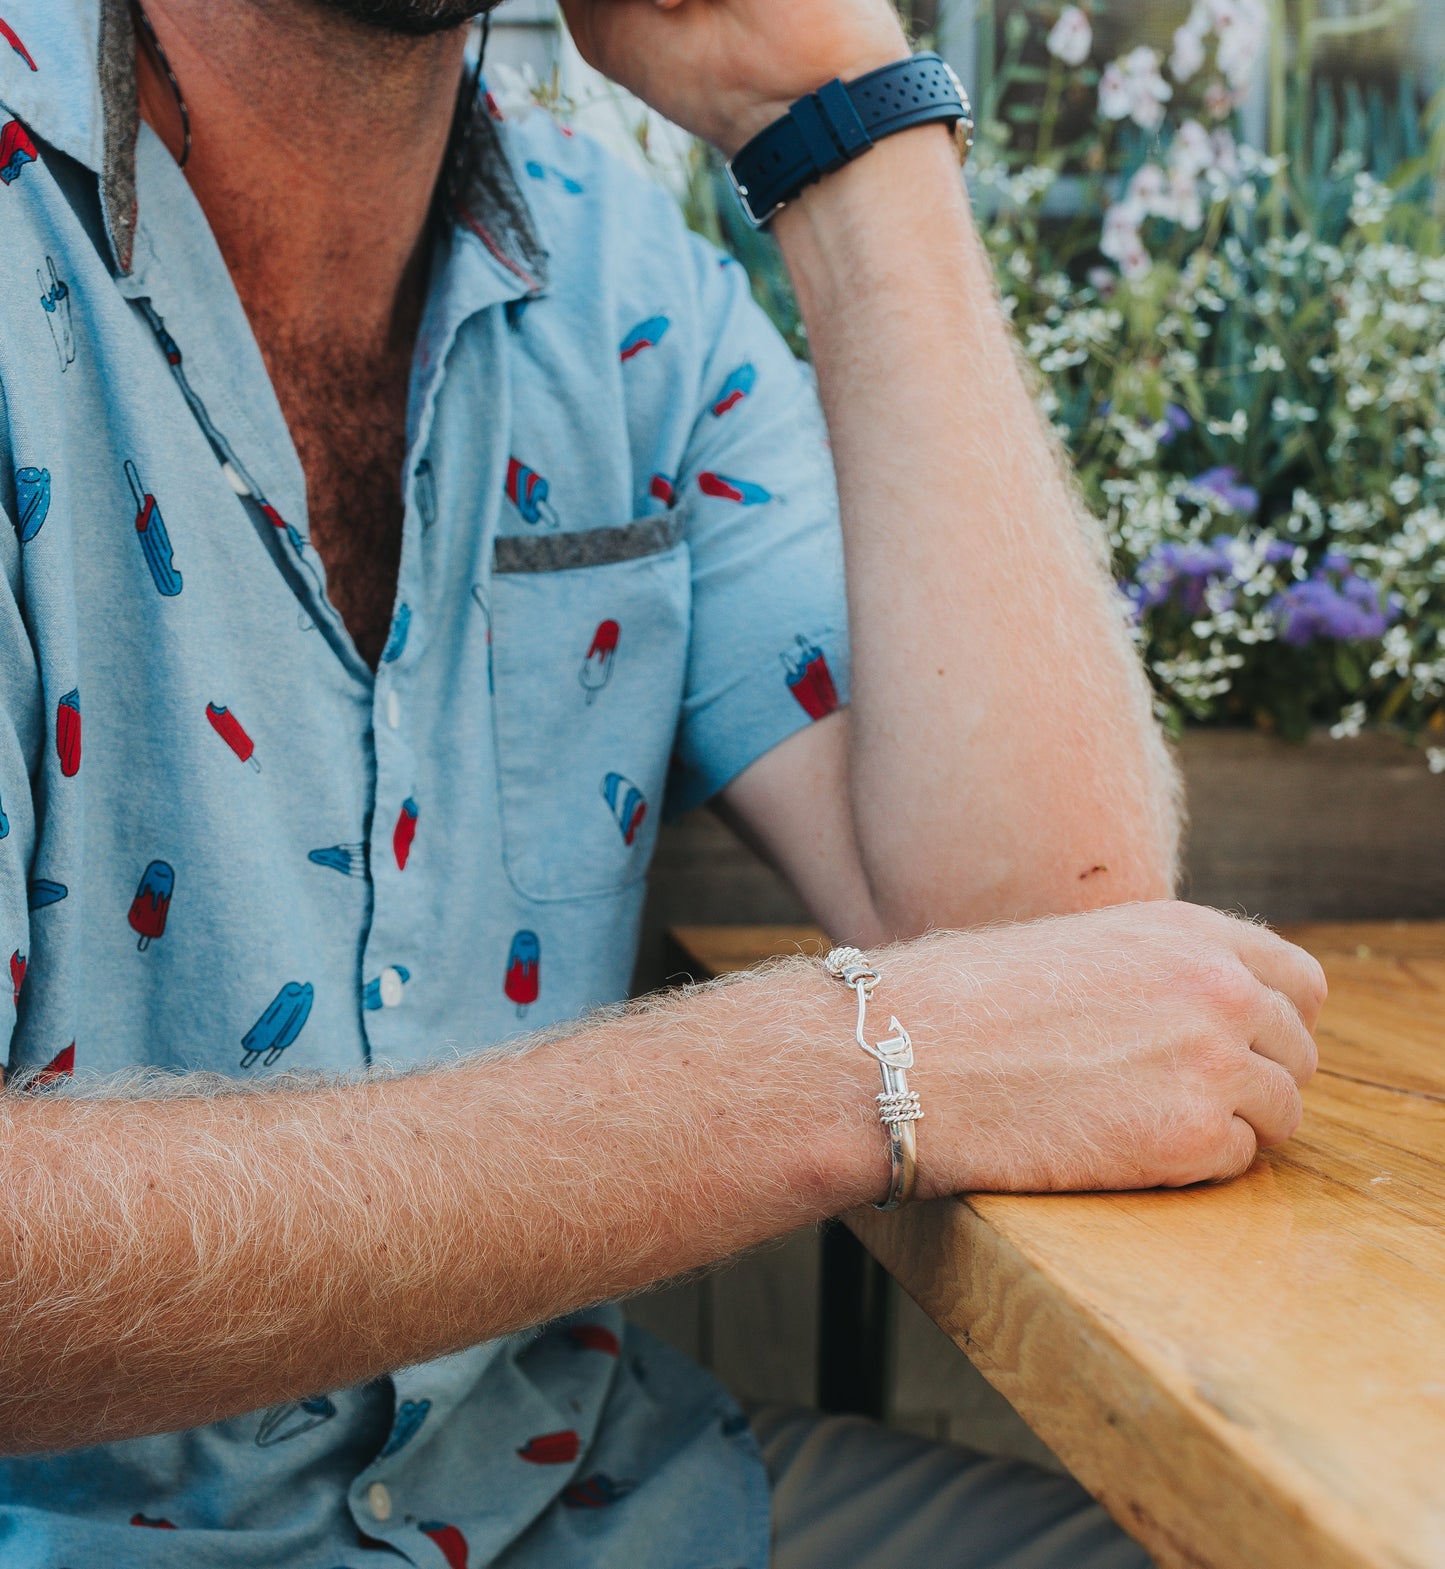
(898, 1106)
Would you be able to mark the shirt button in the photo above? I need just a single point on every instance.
(378, 1500)
(393, 709)
(390, 988)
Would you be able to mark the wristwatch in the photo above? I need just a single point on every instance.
(840, 122)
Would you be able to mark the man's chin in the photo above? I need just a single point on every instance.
(412, 18)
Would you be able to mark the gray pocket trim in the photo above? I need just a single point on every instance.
(593, 547)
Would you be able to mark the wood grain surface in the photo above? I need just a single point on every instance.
(1249, 1376)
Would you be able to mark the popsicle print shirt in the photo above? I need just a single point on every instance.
(226, 846)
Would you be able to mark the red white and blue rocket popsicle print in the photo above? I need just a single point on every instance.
(152, 903)
(150, 529)
(404, 832)
(737, 387)
(17, 974)
(277, 1028)
(810, 680)
(233, 733)
(626, 803)
(527, 490)
(9, 35)
(67, 733)
(645, 335)
(596, 669)
(523, 983)
(16, 150)
(723, 487)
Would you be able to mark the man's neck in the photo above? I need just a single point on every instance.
(316, 144)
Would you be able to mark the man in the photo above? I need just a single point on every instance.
(307, 769)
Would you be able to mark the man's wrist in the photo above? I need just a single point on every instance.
(751, 117)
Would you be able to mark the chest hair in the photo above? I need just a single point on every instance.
(346, 410)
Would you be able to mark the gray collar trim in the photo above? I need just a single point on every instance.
(120, 114)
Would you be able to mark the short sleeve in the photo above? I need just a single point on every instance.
(769, 646)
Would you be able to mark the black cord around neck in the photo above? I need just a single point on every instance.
(176, 93)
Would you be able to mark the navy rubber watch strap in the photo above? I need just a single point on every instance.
(839, 122)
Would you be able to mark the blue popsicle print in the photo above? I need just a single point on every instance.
(400, 626)
(371, 998)
(293, 1419)
(150, 529)
(348, 859)
(410, 1415)
(550, 174)
(281, 1023)
(4, 822)
(32, 499)
(40, 891)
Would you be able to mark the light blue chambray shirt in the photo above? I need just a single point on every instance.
(226, 845)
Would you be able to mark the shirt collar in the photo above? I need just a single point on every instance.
(72, 82)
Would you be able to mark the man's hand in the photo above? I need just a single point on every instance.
(1146, 1045)
(724, 69)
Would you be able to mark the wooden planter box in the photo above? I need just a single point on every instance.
(1327, 831)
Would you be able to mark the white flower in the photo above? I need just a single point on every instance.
(1132, 88)
(1122, 242)
(1435, 757)
(1148, 192)
(1351, 722)
(1071, 37)
(1241, 27)
(1218, 101)
(1188, 53)
(1191, 149)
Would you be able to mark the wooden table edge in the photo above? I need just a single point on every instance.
(1231, 1492)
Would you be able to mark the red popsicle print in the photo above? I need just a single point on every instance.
(662, 489)
(60, 1066)
(596, 669)
(230, 730)
(67, 733)
(404, 832)
(8, 34)
(810, 680)
(552, 1448)
(524, 971)
(152, 903)
(452, 1543)
(155, 1525)
(17, 974)
(595, 1337)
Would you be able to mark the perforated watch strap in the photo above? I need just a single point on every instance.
(841, 120)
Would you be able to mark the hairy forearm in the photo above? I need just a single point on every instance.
(172, 1257)
(1004, 760)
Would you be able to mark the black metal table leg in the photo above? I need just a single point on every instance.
(853, 1326)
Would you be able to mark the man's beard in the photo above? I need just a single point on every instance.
(415, 18)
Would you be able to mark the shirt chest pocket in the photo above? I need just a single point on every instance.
(589, 657)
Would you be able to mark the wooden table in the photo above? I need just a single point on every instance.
(1249, 1376)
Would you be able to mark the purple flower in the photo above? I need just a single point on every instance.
(1224, 485)
(1177, 421)
(1351, 609)
(1181, 571)
(1278, 551)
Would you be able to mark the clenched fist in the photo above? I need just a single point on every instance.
(1144, 1045)
(724, 69)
